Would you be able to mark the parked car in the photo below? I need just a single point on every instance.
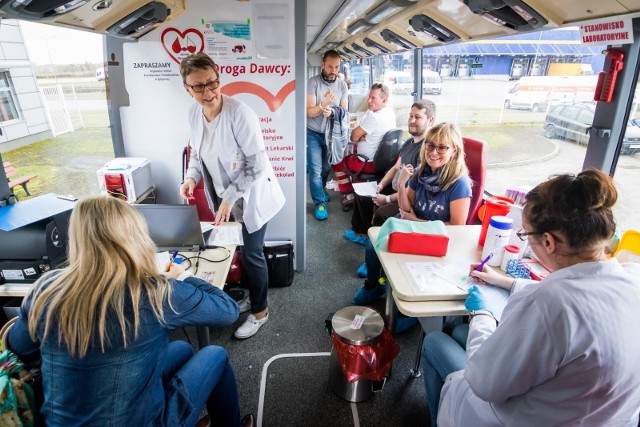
(431, 83)
(573, 121)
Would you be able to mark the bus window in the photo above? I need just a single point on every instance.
(396, 71)
(626, 173)
(520, 155)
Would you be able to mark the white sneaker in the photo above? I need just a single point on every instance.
(244, 304)
(250, 326)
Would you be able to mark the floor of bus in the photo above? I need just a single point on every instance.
(296, 388)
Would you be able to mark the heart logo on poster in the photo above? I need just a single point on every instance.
(273, 102)
(180, 44)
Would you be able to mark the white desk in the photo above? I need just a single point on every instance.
(463, 248)
(219, 270)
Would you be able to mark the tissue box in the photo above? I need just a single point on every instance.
(418, 243)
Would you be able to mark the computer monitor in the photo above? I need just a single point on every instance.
(173, 227)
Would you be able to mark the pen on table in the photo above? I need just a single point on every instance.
(173, 257)
(486, 260)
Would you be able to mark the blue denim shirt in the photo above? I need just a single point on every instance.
(122, 386)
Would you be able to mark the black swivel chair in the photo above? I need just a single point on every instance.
(385, 157)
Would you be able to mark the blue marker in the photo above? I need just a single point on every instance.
(173, 258)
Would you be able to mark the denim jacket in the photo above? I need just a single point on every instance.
(122, 386)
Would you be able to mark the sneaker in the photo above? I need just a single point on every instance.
(362, 271)
(354, 237)
(403, 324)
(365, 296)
(321, 213)
(250, 326)
(244, 304)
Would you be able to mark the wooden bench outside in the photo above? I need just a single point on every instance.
(11, 172)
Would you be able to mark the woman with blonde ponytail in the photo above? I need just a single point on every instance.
(102, 327)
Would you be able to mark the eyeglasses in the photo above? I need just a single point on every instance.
(440, 149)
(522, 234)
(199, 87)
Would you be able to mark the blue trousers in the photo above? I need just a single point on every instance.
(318, 167)
(210, 380)
(374, 267)
(441, 355)
(255, 274)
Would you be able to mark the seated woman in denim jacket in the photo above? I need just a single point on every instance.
(102, 327)
(440, 189)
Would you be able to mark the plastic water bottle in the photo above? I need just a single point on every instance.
(498, 236)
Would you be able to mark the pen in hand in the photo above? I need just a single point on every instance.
(482, 264)
(170, 264)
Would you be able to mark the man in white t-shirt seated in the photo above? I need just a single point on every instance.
(378, 120)
(369, 130)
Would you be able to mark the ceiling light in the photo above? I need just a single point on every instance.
(424, 24)
(391, 37)
(514, 14)
(387, 8)
(371, 43)
(361, 49)
(350, 52)
(359, 25)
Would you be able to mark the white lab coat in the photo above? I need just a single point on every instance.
(241, 136)
(567, 352)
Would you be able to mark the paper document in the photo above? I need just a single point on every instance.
(162, 259)
(496, 297)
(224, 235)
(366, 189)
(205, 226)
(424, 279)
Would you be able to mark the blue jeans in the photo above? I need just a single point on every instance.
(255, 274)
(441, 355)
(318, 167)
(209, 379)
(374, 267)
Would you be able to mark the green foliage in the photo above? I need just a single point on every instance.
(66, 164)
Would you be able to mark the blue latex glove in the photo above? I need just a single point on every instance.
(476, 300)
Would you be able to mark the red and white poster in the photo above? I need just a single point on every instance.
(155, 123)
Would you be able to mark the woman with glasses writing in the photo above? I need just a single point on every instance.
(440, 189)
(228, 154)
(565, 352)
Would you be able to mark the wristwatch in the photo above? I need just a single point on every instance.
(475, 313)
(388, 199)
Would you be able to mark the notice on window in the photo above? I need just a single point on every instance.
(271, 25)
(611, 31)
(228, 40)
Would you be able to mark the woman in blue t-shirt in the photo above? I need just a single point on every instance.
(440, 189)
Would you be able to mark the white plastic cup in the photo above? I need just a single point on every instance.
(510, 252)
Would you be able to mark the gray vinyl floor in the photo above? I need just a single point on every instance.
(296, 390)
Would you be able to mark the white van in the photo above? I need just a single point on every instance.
(431, 83)
(400, 82)
(535, 93)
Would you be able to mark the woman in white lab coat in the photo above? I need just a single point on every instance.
(228, 154)
(566, 350)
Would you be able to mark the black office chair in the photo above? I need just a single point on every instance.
(385, 157)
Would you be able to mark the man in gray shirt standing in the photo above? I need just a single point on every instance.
(323, 91)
